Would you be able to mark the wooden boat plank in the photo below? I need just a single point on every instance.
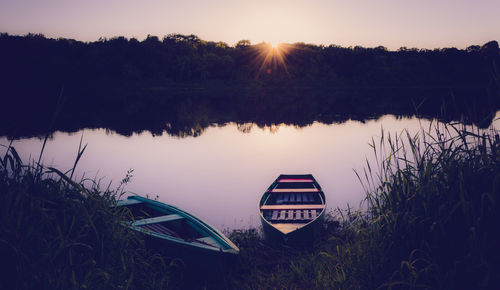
(290, 215)
(160, 219)
(282, 214)
(275, 215)
(161, 229)
(313, 213)
(291, 206)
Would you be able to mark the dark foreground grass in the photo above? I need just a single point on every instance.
(431, 221)
(56, 235)
(434, 208)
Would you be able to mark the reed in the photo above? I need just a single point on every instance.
(57, 234)
(433, 207)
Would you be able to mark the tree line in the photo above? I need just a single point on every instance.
(112, 80)
(187, 57)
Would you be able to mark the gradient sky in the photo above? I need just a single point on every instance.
(391, 23)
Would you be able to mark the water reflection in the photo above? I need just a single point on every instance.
(221, 174)
(187, 114)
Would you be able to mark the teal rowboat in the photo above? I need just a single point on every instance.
(176, 232)
(292, 209)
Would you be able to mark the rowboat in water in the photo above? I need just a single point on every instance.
(292, 209)
(176, 232)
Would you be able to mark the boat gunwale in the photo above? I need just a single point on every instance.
(191, 243)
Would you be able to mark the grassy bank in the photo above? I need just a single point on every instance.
(54, 234)
(431, 222)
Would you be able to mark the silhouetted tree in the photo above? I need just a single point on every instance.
(128, 84)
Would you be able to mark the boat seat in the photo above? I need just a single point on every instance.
(293, 215)
(292, 197)
(286, 197)
(159, 228)
(279, 198)
(155, 220)
(300, 197)
(291, 206)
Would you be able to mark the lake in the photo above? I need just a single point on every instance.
(220, 175)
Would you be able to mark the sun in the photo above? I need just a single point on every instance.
(271, 57)
(274, 44)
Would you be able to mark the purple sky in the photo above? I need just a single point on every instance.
(391, 23)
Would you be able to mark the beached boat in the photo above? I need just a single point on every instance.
(292, 208)
(178, 233)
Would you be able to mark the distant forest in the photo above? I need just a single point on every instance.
(181, 84)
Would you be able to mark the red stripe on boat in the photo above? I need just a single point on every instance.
(295, 180)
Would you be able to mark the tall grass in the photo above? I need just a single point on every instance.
(434, 208)
(56, 234)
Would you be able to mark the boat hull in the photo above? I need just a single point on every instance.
(304, 235)
(292, 210)
(190, 256)
(176, 233)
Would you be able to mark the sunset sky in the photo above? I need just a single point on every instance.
(391, 23)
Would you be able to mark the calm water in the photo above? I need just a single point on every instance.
(221, 175)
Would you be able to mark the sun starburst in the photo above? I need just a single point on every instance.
(271, 58)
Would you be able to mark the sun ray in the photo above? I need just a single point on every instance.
(272, 58)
